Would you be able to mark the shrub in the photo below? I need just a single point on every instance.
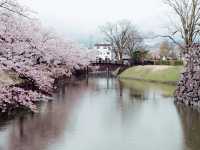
(178, 63)
(169, 62)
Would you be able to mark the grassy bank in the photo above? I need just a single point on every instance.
(163, 74)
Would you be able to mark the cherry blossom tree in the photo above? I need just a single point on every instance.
(35, 54)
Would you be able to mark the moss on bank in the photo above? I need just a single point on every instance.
(163, 74)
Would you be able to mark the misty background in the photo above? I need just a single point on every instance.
(80, 19)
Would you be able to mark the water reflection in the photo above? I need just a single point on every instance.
(191, 125)
(104, 114)
(142, 88)
(37, 132)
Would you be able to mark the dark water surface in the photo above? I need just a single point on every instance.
(106, 114)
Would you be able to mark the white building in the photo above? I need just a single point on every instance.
(104, 52)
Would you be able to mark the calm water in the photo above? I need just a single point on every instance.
(105, 114)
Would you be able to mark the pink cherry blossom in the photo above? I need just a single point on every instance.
(36, 55)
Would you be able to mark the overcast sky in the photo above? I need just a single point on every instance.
(83, 17)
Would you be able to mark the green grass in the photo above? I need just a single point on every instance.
(153, 73)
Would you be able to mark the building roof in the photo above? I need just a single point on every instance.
(103, 44)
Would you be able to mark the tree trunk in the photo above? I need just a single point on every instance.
(120, 57)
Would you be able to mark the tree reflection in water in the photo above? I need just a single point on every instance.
(140, 90)
(36, 132)
(191, 126)
(112, 114)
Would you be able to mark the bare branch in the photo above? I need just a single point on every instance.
(122, 36)
(188, 12)
(16, 12)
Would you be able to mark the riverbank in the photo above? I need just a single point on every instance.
(153, 73)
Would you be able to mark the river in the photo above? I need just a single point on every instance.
(106, 114)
